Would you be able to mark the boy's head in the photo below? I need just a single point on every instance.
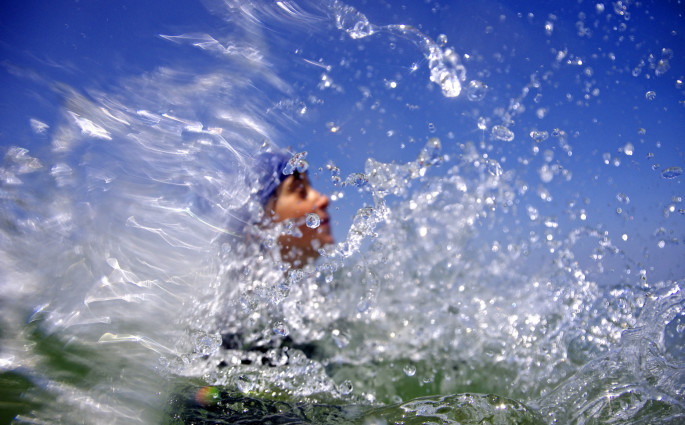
(291, 197)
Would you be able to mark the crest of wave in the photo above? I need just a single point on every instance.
(108, 230)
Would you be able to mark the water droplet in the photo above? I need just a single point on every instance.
(671, 172)
(345, 387)
(431, 127)
(312, 220)
(280, 292)
(482, 124)
(297, 162)
(332, 127)
(341, 340)
(335, 174)
(544, 194)
(641, 131)
(494, 168)
(662, 67)
(430, 154)
(292, 230)
(549, 27)
(351, 21)
(620, 8)
(428, 379)
(206, 344)
(476, 91)
(650, 95)
(448, 81)
(302, 165)
(539, 136)
(442, 39)
(628, 149)
(500, 132)
(409, 370)
(277, 357)
(245, 383)
(281, 329)
(546, 173)
(363, 306)
(357, 179)
(623, 198)
(295, 275)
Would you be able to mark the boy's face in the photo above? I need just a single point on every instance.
(293, 200)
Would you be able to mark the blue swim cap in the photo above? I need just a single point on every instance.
(268, 169)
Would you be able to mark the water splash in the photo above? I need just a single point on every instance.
(459, 276)
(445, 66)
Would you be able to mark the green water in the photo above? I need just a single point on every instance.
(70, 367)
(227, 407)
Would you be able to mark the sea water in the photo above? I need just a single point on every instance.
(506, 197)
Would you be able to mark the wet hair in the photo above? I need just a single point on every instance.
(264, 175)
(268, 169)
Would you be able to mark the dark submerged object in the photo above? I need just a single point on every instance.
(230, 407)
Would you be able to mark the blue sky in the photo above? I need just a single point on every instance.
(383, 105)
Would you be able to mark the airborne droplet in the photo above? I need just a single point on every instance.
(476, 91)
(296, 163)
(671, 172)
(409, 370)
(312, 221)
(539, 136)
(245, 383)
(500, 132)
(281, 329)
(206, 344)
(357, 179)
(494, 168)
(650, 95)
(345, 387)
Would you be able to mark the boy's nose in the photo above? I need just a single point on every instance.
(322, 201)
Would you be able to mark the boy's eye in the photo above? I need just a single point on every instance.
(298, 188)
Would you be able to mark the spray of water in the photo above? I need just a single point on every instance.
(133, 248)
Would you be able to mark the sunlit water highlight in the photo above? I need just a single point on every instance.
(475, 279)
